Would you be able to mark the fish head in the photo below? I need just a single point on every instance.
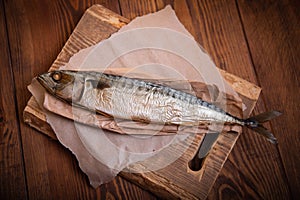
(66, 85)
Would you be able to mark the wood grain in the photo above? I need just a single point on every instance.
(51, 171)
(276, 63)
(192, 185)
(12, 174)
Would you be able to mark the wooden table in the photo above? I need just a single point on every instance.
(258, 41)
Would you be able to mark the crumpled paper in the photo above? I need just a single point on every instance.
(155, 47)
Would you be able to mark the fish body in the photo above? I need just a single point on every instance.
(137, 100)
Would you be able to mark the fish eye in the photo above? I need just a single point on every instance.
(56, 76)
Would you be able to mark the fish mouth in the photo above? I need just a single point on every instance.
(47, 83)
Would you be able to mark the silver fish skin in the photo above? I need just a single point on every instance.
(137, 100)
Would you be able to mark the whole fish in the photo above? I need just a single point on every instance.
(137, 100)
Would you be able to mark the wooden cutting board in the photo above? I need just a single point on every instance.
(176, 180)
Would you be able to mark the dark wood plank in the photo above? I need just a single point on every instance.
(273, 34)
(12, 174)
(217, 27)
(37, 31)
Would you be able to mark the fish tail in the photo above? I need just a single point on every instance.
(255, 123)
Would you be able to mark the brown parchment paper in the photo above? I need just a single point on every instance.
(150, 47)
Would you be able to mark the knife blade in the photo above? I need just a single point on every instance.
(208, 141)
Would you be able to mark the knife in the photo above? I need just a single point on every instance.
(208, 141)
